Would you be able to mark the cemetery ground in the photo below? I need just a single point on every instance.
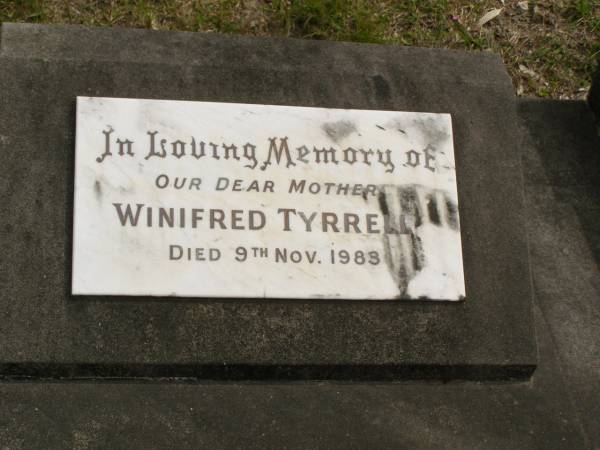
(549, 47)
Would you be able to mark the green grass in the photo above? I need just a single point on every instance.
(550, 48)
(336, 19)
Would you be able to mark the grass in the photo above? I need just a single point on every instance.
(550, 47)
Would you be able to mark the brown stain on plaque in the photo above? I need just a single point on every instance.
(339, 130)
(98, 190)
(432, 209)
(391, 241)
(434, 132)
(406, 209)
(452, 214)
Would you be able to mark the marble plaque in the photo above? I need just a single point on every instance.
(198, 199)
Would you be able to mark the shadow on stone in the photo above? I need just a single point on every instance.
(569, 156)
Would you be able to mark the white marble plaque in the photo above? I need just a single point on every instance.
(195, 199)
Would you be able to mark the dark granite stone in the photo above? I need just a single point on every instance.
(562, 170)
(48, 333)
(416, 415)
(556, 409)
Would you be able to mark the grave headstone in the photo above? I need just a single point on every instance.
(50, 332)
(53, 339)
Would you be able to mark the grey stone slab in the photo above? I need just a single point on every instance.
(420, 415)
(198, 50)
(554, 127)
(47, 332)
(563, 204)
(556, 409)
